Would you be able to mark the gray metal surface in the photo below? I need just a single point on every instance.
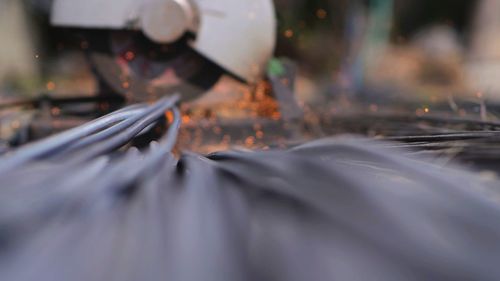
(76, 208)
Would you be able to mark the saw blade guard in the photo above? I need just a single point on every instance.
(239, 36)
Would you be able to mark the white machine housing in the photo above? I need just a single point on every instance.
(239, 36)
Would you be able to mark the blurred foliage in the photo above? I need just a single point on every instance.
(317, 32)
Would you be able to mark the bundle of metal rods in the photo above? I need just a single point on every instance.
(471, 141)
(85, 205)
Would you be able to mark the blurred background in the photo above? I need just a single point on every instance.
(449, 43)
(378, 52)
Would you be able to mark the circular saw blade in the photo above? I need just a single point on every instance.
(142, 70)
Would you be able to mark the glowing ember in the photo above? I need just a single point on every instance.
(170, 116)
(259, 134)
(250, 141)
(55, 111)
(321, 13)
(129, 56)
(51, 86)
(288, 33)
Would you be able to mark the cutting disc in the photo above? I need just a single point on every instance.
(141, 70)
